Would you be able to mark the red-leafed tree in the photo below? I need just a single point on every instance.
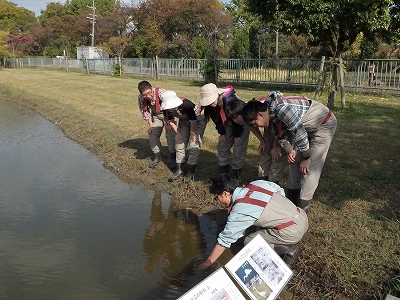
(22, 44)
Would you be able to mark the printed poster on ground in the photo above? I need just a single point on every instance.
(259, 270)
(217, 286)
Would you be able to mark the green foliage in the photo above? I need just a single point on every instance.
(200, 48)
(138, 46)
(76, 6)
(240, 29)
(152, 37)
(368, 48)
(53, 10)
(15, 19)
(116, 70)
(5, 50)
(210, 70)
(327, 23)
(241, 44)
(115, 46)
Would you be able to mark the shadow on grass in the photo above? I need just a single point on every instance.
(207, 165)
(140, 145)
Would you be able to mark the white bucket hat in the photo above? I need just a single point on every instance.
(169, 100)
(208, 94)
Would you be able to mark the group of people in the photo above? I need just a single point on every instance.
(292, 130)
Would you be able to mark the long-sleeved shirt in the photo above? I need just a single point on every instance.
(290, 110)
(227, 94)
(186, 111)
(147, 107)
(244, 215)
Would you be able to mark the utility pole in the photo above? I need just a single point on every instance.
(92, 18)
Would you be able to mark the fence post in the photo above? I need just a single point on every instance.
(341, 83)
(156, 66)
(237, 70)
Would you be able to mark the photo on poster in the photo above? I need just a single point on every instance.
(253, 281)
(268, 266)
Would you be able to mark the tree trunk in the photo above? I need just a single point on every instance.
(334, 83)
(320, 82)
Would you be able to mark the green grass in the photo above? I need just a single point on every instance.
(352, 248)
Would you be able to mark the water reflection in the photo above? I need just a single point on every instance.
(69, 229)
(176, 241)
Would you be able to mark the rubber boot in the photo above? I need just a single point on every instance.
(289, 253)
(172, 162)
(293, 195)
(236, 174)
(304, 204)
(224, 169)
(156, 160)
(189, 175)
(177, 174)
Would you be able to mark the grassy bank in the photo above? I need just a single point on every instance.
(352, 248)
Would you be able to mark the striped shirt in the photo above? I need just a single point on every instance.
(144, 104)
(290, 110)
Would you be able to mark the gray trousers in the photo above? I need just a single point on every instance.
(193, 148)
(320, 137)
(279, 211)
(236, 158)
(267, 167)
(154, 138)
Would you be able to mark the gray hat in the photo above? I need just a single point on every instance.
(169, 100)
(208, 93)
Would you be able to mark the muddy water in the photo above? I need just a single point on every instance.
(69, 229)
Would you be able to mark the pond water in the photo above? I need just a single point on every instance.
(70, 229)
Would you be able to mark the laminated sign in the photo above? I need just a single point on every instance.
(257, 269)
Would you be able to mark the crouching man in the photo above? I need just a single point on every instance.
(259, 208)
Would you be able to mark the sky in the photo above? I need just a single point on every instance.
(34, 5)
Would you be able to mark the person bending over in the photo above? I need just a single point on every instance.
(259, 207)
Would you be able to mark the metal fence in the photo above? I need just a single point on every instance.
(285, 72)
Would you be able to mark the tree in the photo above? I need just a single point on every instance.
(76, 6)
(21, 44)
(118, 22)
(4, 46)
(180, 22)
(248, 29)
(53, 10)
(333, 24)
(116, 46)
(15, 19)
(152, 37)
